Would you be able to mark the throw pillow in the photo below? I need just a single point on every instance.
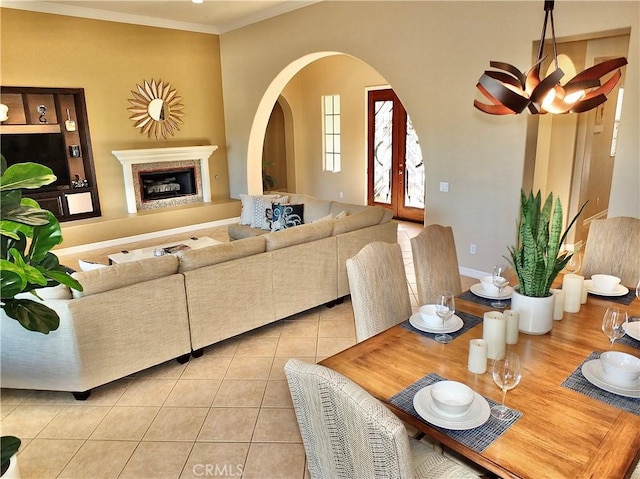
(262, 217)
(286, 216)
(248, 207)
(90, 265)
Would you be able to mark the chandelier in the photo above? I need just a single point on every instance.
(511, 92)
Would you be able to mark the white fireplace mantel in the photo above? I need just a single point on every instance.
(156, 155)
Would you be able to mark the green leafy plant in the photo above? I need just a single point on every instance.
(536, 257)
(9, 445)
(27, 234)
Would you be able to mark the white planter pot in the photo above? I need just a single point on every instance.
(14, 470)
(536, 314)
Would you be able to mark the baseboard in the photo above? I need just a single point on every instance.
(472, 273)
(142, 237)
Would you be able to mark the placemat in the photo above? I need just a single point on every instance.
(469, 296)
(628, 340)
(469, 321)
(477, 439)
(626, 299)
(577, 382)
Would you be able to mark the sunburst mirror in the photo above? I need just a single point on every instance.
(156, 109)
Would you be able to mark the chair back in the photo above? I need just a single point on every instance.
(379, 289)
(613, 247)
(435, 263)
(346, 432)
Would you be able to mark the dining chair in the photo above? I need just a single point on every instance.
(379, 289)
(613, 247)
(435, 263)
(347, 433)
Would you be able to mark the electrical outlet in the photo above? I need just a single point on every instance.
(341, 194)
(472, 249)
(444, 187)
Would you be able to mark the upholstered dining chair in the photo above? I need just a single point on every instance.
(435, 263)
(349, 434)
(379, 289)
(613, 247)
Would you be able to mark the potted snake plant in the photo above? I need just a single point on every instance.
(537, 260)
(27, 234)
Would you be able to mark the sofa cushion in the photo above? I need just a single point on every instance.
(60, 291)
(238, 231)
(314, 208)
(349, 209)
(368, 217)
(299, 234)
(124, 274)
(286, 216)
(220, 253)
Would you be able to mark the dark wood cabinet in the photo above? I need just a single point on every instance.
(50, 126)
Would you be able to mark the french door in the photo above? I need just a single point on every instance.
(395, 166)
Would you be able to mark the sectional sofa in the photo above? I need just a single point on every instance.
(138, 314)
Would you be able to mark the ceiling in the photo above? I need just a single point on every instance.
(212, 16)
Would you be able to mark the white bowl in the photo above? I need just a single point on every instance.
(451, 398)
(488, 286)
(604, 283)
(429, 316)
(620, 368)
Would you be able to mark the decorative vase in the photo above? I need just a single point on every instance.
(536, 314)
(13, 471)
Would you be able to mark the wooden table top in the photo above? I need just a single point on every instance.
(561, 434)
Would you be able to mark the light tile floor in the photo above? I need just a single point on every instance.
(225, 414)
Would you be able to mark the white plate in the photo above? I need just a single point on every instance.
(451, 325)
(592, 371)
(619, 291)
(633, 329)
(478, 290)
(477, 414)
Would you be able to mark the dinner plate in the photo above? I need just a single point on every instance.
(451, 325)
(592, 371)
(619, 291)
(478, 290)
(633, 329)
(477, 414)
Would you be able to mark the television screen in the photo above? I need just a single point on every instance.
(44, 148)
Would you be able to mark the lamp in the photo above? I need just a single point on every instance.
(510, 91)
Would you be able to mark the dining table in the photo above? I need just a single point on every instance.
(563, 426)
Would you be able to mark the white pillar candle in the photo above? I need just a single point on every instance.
(513, 322)
(494, 332)
(572, 287)
(585, 293)
(558, 304)
(477, 356)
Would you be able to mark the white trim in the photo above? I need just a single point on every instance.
(472, 273)
(142, 237)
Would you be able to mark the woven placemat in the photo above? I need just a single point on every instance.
(626, 299)
(628, 340)
(469, 296)
(477, 439)
(577, 382)
(469, 321)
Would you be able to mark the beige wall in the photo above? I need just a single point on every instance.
(334, 75)
(432, 53)
(108, 59)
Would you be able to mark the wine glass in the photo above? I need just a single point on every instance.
(613, 323)
(575, 263)
(638, 290)
(499, 281)
(506, 374)
(445, 307)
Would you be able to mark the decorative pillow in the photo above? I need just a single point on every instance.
(90, 265)
(262, 217)
(342, 214)
(286, 216)
(248, 207)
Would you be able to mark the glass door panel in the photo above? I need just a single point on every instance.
(383, 151)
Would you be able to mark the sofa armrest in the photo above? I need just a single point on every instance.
(299, 234)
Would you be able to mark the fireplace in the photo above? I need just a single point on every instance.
(167, 183)
(164, 177)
